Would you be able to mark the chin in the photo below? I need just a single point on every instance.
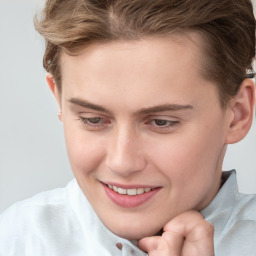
(132, 232)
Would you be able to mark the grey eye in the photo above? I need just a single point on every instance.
(160, 122)
(94, 120)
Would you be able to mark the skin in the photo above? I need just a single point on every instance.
(121, 135)
(187, 234)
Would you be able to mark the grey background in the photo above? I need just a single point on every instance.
(32, 150)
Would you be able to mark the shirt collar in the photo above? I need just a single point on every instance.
(224, 201)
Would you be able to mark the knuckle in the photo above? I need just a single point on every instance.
(204, 229)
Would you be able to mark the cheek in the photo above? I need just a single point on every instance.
(189, 172)
(188, 158)
(84, 151)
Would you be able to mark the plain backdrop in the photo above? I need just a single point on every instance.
(32, 150)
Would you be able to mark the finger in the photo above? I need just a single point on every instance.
(175, 242)
(149, 244)
(197, 232)
(199, 240)
(168, 244)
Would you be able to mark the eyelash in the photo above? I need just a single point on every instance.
(88, 122)
(169, 124)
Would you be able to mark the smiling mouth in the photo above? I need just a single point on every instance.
(129, 197)
(129, 192)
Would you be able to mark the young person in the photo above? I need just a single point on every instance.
(150, 94)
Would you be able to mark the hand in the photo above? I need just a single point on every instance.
(188, 234)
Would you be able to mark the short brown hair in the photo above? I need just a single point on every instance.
(228, 27)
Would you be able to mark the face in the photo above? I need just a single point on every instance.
(145, 132)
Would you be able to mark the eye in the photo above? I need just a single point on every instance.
(162, 125)
(160, 122)
(94, 122)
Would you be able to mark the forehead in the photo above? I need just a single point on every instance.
(187, 45)
(148, 67)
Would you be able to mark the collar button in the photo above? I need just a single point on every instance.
(119, 246)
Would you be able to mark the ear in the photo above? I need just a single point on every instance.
(53, 87)
(242, 110)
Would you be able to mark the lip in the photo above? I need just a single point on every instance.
(127, 201)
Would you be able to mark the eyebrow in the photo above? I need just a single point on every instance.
(86, 104)
(164, 107)
(144, 111)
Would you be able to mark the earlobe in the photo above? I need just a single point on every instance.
(242, 109)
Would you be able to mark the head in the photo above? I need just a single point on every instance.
(151, 93)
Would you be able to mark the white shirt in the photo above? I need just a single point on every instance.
(233, 216)
(61, 222)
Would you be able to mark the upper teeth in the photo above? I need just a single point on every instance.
(130, 192)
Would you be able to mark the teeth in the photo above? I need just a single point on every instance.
(130, 192)
(140, 191)
(121, 191)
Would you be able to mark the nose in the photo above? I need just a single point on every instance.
(125, 155)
